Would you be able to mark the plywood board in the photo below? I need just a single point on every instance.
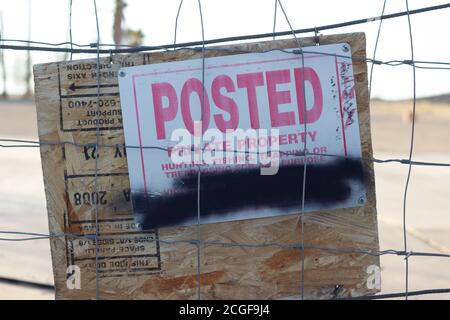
(162, 264)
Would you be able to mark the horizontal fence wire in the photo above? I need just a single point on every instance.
(50, 287)
(422, 64)
(135, 49)
(30, 236)
(25, 283)
(200, 46)
(36, 144)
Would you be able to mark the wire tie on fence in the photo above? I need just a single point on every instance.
(410, 62)
(93, 45)
(316, 36)
(195, 242)
(408, 254)
(337, 290)
(110, 56)
(297, 51)
(379, 62)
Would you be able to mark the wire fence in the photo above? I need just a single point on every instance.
(98, 48)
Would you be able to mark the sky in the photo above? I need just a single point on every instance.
(50, 23)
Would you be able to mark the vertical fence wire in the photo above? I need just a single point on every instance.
(275, 18)
(70, 29)
(97, 151)
(375, 48)
(202, 103)
(405, 195)
(176, 24)
(305, 164)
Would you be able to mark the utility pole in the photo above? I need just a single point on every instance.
(128, 36)
(118, 19)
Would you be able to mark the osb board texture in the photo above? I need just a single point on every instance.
(131, 264)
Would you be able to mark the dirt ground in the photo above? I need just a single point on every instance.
(22, 198)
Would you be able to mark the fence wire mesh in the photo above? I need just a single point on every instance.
(98, 48)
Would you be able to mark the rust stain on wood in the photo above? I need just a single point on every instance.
(283, 259)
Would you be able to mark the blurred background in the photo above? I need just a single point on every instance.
(134, 22)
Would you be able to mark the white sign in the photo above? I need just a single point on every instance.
(249, 143)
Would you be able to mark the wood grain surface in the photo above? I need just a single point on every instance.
(132, 265)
